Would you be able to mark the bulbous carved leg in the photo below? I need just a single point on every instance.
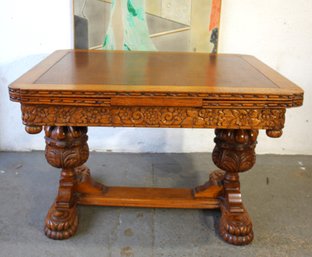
(234, 152)
(66, 148)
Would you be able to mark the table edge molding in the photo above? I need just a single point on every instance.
(105, 98)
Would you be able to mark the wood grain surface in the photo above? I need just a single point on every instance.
(75, 70)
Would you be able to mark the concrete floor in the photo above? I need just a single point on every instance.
(277, 193)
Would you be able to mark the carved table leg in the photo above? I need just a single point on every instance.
(66, 148)
(234, 153)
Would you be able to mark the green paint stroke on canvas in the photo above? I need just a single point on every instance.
(108, 43)
(106, 40)
(135, 30)
(131, 9)
(126, 47)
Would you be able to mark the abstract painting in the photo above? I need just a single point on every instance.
(151, 25)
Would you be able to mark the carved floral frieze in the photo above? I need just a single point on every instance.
(153, 117)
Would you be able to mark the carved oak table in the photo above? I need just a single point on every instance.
(236, 95)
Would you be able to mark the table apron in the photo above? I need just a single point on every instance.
(147, 116)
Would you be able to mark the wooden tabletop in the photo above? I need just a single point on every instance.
(150, 69)
(106, 73)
